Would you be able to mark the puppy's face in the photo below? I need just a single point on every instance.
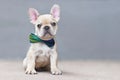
(45, 25)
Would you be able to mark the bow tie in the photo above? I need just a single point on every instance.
(35, 39)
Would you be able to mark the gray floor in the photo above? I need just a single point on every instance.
(72, 70)
(88, 29)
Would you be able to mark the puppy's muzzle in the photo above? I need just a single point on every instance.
(46, 28)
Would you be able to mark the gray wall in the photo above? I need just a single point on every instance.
(88, 29)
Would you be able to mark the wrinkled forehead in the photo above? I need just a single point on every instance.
(45, 19)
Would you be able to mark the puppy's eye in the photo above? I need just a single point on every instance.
(53, 24)
(39, 25)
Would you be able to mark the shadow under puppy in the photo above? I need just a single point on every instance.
(42, 52)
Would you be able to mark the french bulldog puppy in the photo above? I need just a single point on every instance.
(42, 53)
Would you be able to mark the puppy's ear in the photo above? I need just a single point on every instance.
(33, 14)
(55, 12)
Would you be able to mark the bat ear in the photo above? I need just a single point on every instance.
(55, 12)
(33, 14)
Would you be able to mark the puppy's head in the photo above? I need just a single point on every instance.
(45, 25)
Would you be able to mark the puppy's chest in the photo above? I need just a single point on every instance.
(42, 50)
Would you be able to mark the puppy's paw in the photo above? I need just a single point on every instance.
(29, 71)
(56, 72)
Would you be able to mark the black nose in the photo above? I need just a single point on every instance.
(46, 27)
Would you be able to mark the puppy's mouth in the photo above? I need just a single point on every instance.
(47, 33)
(47, 36)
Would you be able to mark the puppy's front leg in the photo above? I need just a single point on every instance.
(53, 62)
(30, 63)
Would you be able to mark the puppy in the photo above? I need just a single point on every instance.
(42, 53)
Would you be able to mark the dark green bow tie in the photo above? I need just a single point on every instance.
(35, 39)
